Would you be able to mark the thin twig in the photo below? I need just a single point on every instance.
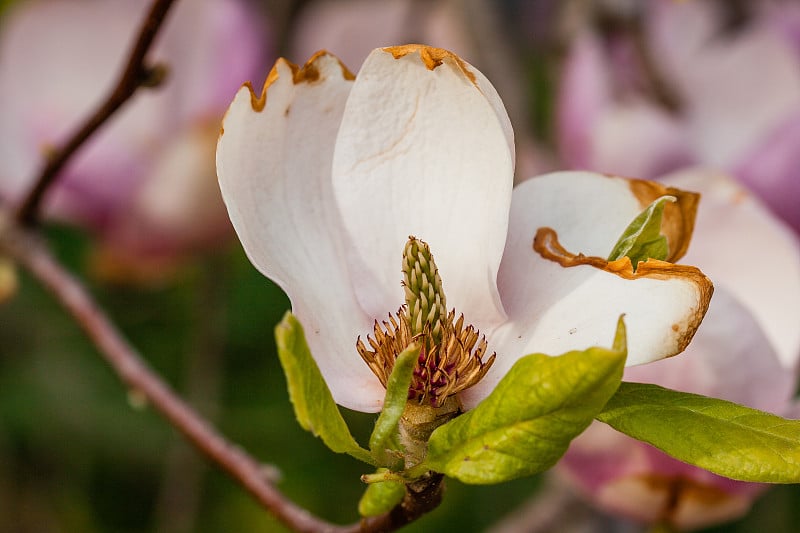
(136, 374)
(136, 74)
(30, 252)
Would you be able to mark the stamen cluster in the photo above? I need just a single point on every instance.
(451, 354)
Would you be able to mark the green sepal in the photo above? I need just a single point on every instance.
(719, 436)
(526, 424)
(383, 440)
(381, 497)
(642, 239)
(312, 400)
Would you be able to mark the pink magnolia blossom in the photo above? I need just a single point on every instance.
(738, 96)
(746, 351)
(145, 183)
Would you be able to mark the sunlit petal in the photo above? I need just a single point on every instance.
(554, 307)
(273, 160)
(425, 149)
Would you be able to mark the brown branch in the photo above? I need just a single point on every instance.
(136, 374)
(135, 75)
(26, 247)
(30, 252)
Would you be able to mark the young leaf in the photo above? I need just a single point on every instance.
(526, 424)
(313, 404)
(384, 435)
(381, 497)
(642, 239)
(722, 437)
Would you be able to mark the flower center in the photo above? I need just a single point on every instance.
(451, 354)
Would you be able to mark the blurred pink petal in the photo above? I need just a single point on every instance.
(352, 28)
(746, 351)
(737, 90)
(584, 93)
(59, 59)
(772, 170)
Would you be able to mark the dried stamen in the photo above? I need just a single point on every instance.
(451, 358)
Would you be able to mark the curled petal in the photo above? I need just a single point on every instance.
(273, 160)
(730, 358)
(428, 154)
(558, 300)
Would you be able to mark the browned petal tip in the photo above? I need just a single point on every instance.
(678, 221)
(308, 73)
(432, 57)
(546, 244)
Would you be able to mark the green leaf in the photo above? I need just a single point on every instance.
(722, 437)
(384, 437)
(381, 497)
(526, 424)
(313, 404)
(642, 239)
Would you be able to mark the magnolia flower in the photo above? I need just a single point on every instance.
(735, 95)
(747, 352)
(326, 175)
(145, 183)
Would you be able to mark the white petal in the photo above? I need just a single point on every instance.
(730, 357)
(274, 170)
(747, 250)
(236, 46)
(553, 309)
(425, 149)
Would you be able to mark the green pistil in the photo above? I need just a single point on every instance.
(425, 300)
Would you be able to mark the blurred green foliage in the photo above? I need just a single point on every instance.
(76, 456)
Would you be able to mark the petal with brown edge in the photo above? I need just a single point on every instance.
(559, 301)
(273, 161)
(425, 149)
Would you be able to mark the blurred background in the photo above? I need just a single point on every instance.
(635, 88)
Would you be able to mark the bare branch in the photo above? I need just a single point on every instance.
(136, 74)
(30, 252)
